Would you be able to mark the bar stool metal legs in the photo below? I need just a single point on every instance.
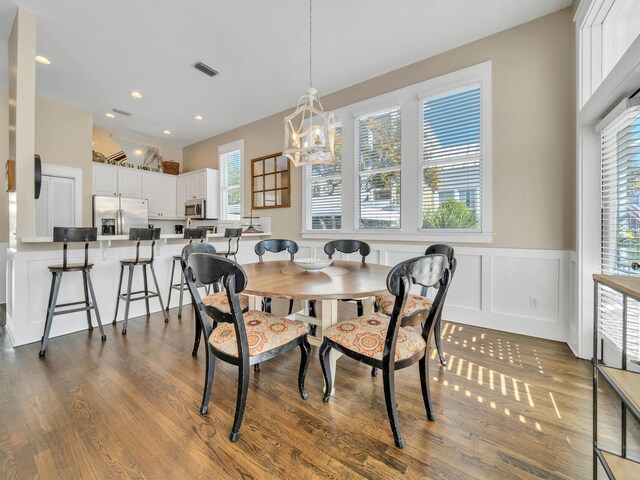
(176, 286)
(128, 296)
(89, 303)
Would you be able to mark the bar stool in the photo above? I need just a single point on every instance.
(71, 235)
(139, 235)
(191, 234)
(233, 234)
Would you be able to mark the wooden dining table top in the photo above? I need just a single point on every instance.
(266, 279)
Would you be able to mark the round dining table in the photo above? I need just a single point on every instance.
(343, 280)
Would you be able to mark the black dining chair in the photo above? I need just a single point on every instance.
(275, 245)
(349, 246)
(66, 235)
(190, 234)
(385, 302)
(228, 333)
(215, 299)
(390, 343)
(139, 235)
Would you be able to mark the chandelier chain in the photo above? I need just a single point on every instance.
(310, 44)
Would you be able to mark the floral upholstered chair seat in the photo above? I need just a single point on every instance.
(220, 301)
(414, 303)
(366, 335)
(265, 332)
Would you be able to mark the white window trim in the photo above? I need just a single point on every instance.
(408, 99)
(222, 150)
(76, 175)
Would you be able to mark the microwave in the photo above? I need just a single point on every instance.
(195, 208)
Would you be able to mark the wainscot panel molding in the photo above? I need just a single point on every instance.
(515, 290)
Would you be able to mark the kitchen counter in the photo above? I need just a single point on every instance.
(164, 236)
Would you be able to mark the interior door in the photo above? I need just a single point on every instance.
(56, 205)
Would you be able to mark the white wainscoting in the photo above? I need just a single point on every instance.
(493, 287)
(3, 277)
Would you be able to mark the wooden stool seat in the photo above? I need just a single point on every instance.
(74, 267)
(136, 261)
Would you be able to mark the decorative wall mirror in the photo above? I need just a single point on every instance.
(270, 182)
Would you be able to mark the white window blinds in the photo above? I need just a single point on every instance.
(379, 163)
(324, 191)
(451, 160)
(231, 174)
(620, 210)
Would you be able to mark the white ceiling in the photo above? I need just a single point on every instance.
(101, 50)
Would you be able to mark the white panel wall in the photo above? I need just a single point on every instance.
(3, 267)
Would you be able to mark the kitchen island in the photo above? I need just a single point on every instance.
(28, 280)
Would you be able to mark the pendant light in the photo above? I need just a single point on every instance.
(309, 132)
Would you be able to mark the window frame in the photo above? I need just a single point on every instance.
(409, 101)
(230, 147)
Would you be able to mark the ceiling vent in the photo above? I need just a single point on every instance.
(206, 69)
(121, 112)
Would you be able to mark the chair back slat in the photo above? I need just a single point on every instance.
(347, 246)
(275, 245)
(75, 235)
(208, 268)
(443, 249)
(195, 233)
(144, 234)
(233, 234)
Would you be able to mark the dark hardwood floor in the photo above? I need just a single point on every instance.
(507, 406)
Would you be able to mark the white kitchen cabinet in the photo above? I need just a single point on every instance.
(160, 190)
(105, 180)
(129, 182)
(116, 181)
(199, 184)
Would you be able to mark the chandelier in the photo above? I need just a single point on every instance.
(309, 132)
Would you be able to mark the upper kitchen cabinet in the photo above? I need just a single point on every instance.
(160, 190)
(199, 185)
(117, 181)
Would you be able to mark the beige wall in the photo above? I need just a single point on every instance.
(168, 151)
(533, 131)
(63, 137)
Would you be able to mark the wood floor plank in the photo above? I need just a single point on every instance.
(507, 406)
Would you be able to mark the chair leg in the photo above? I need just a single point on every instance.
(290, 306)
(95, 306)
(208, 380)
(53, 283)
(128, 302)
(196, 340)
(424, 383)
(305, 350)
(267, 305)
(155, 281)
(325, 350)
(146, 289)
(173, 268)
(256, 368)
(374, 372)
(57, 279)
(86, 299)
(181, 293)
(115, 316)
(392, 408)
(438, 337)
(360, 308)
(241, 400)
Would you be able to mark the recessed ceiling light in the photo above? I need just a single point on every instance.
(43, 60)
(167, 132)
(198, 117)
(109, 115)
(138, 152)
(135, 94)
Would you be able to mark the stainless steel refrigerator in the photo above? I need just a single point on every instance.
(116, 215)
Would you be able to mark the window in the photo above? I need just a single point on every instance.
(324, 191)
(414, 163)
(230, 166)
(379, 162)
(620, 207)
(451, 160)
